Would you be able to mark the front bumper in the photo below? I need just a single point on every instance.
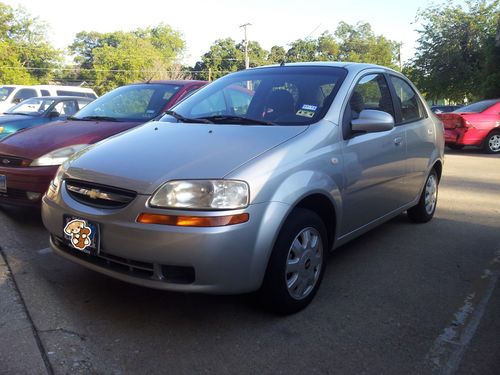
(223, 260)
(20, 181)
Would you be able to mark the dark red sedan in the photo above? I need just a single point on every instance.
(29, 159)
(477, 124)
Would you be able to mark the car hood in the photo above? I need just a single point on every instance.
(35, 142)
(143, 159)
(4, 119)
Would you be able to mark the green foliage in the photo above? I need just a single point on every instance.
(456, 57)
(109, 60)
(349, 43)
(25, 56)
(277, 55)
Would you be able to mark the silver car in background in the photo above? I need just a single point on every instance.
(249, 183)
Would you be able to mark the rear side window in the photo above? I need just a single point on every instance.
(69, 93)
(372, 92)
(45, 93)
(411, 107)
(24, 94)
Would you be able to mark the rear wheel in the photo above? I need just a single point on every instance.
(492, 143)
(424, 210)
(297, 263)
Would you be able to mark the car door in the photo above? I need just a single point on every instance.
(374, 163)
(420, 135)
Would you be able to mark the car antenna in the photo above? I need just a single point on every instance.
(283, 63)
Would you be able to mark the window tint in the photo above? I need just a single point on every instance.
(69, 93)
(139, 102)
(24, 94)
(45, 93)
(281, 95)
(5, 92)
(33, 107)
(371, 92)
(479, 106)
(240, 98)
(411, 108)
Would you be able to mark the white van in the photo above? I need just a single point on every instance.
(11, 95)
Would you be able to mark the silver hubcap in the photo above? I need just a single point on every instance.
(430, 194)
(494, 143)
(304, 261)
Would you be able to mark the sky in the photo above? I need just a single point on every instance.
(202, 22)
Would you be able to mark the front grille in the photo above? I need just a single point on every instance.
(143, 270)
(98, 195)
(12, 161)
(13, 194)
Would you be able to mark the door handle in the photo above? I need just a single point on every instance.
(429, 131)
(398, 140)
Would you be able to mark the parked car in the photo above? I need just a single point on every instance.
(445, 108)
(10, 95)
(236, 194)
(29, 159)
(38, 111)
(476, 124)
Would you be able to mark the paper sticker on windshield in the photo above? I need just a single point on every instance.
(307, 110)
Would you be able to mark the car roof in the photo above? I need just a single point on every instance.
(63, 97)
(181, 82)
(352, 66)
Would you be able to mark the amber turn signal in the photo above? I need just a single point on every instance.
(193, 221)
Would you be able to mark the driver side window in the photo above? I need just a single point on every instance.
(371, 92)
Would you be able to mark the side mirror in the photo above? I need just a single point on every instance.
(54, 114)
(371, 121)
(17, 100)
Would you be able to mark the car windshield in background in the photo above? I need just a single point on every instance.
(129, 103)
(288, 95)
(477, 107)
(5, 92)
(31, 107)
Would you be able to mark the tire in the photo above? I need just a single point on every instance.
(455, 147)
(492, 143)
(424, 210)
(296, 265)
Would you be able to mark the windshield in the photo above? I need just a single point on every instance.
(130, 103)
(5, 92)
(31, 107)
(284, 95)
(477, 107)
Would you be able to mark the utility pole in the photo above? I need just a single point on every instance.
(247, 60)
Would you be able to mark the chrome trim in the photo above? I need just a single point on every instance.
(97, 194)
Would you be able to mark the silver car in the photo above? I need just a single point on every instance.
(248, 184)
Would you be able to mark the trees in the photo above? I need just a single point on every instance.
(25, 56)
(348, 43)
(456, 57)
(109, 60)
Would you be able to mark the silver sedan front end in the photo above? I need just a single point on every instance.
(223, 259)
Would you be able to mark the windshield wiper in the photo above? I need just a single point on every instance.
(236, 120)
(16, 113)
(181, 118)
(90, 118)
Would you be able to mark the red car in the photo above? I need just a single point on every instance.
(477, 124)
(29, 159)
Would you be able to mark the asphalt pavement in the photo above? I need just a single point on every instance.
(404, 298)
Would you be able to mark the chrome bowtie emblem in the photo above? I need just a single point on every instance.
(93, 193)
(5, 161)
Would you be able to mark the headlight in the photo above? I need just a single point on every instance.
(57, 157)
(202, 195)
(55, 184)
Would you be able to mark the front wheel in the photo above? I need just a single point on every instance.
(297, 263)
(424, 210)
(492, 143)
